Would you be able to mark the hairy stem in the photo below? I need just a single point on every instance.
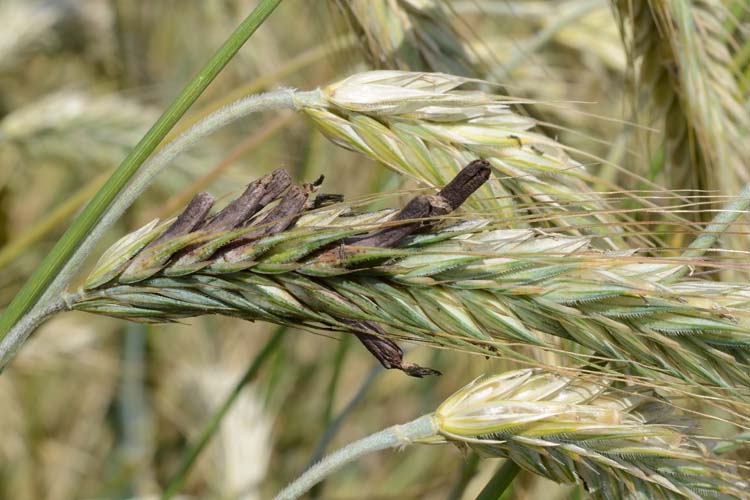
(52, 265)
(392, 437)
(27, 324)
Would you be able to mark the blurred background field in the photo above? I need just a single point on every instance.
(100, 408)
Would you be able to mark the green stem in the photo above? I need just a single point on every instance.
(213, 425)
(10, 344)
(85, 222)
(504, 476)
(392, 437)
(338, 365)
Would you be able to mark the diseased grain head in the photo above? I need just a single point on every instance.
(424, 273)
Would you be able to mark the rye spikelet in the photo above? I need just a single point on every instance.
(465, 283)
(420, 126)
(614, 441)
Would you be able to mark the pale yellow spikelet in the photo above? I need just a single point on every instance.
(579, 429)
(421, 125)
